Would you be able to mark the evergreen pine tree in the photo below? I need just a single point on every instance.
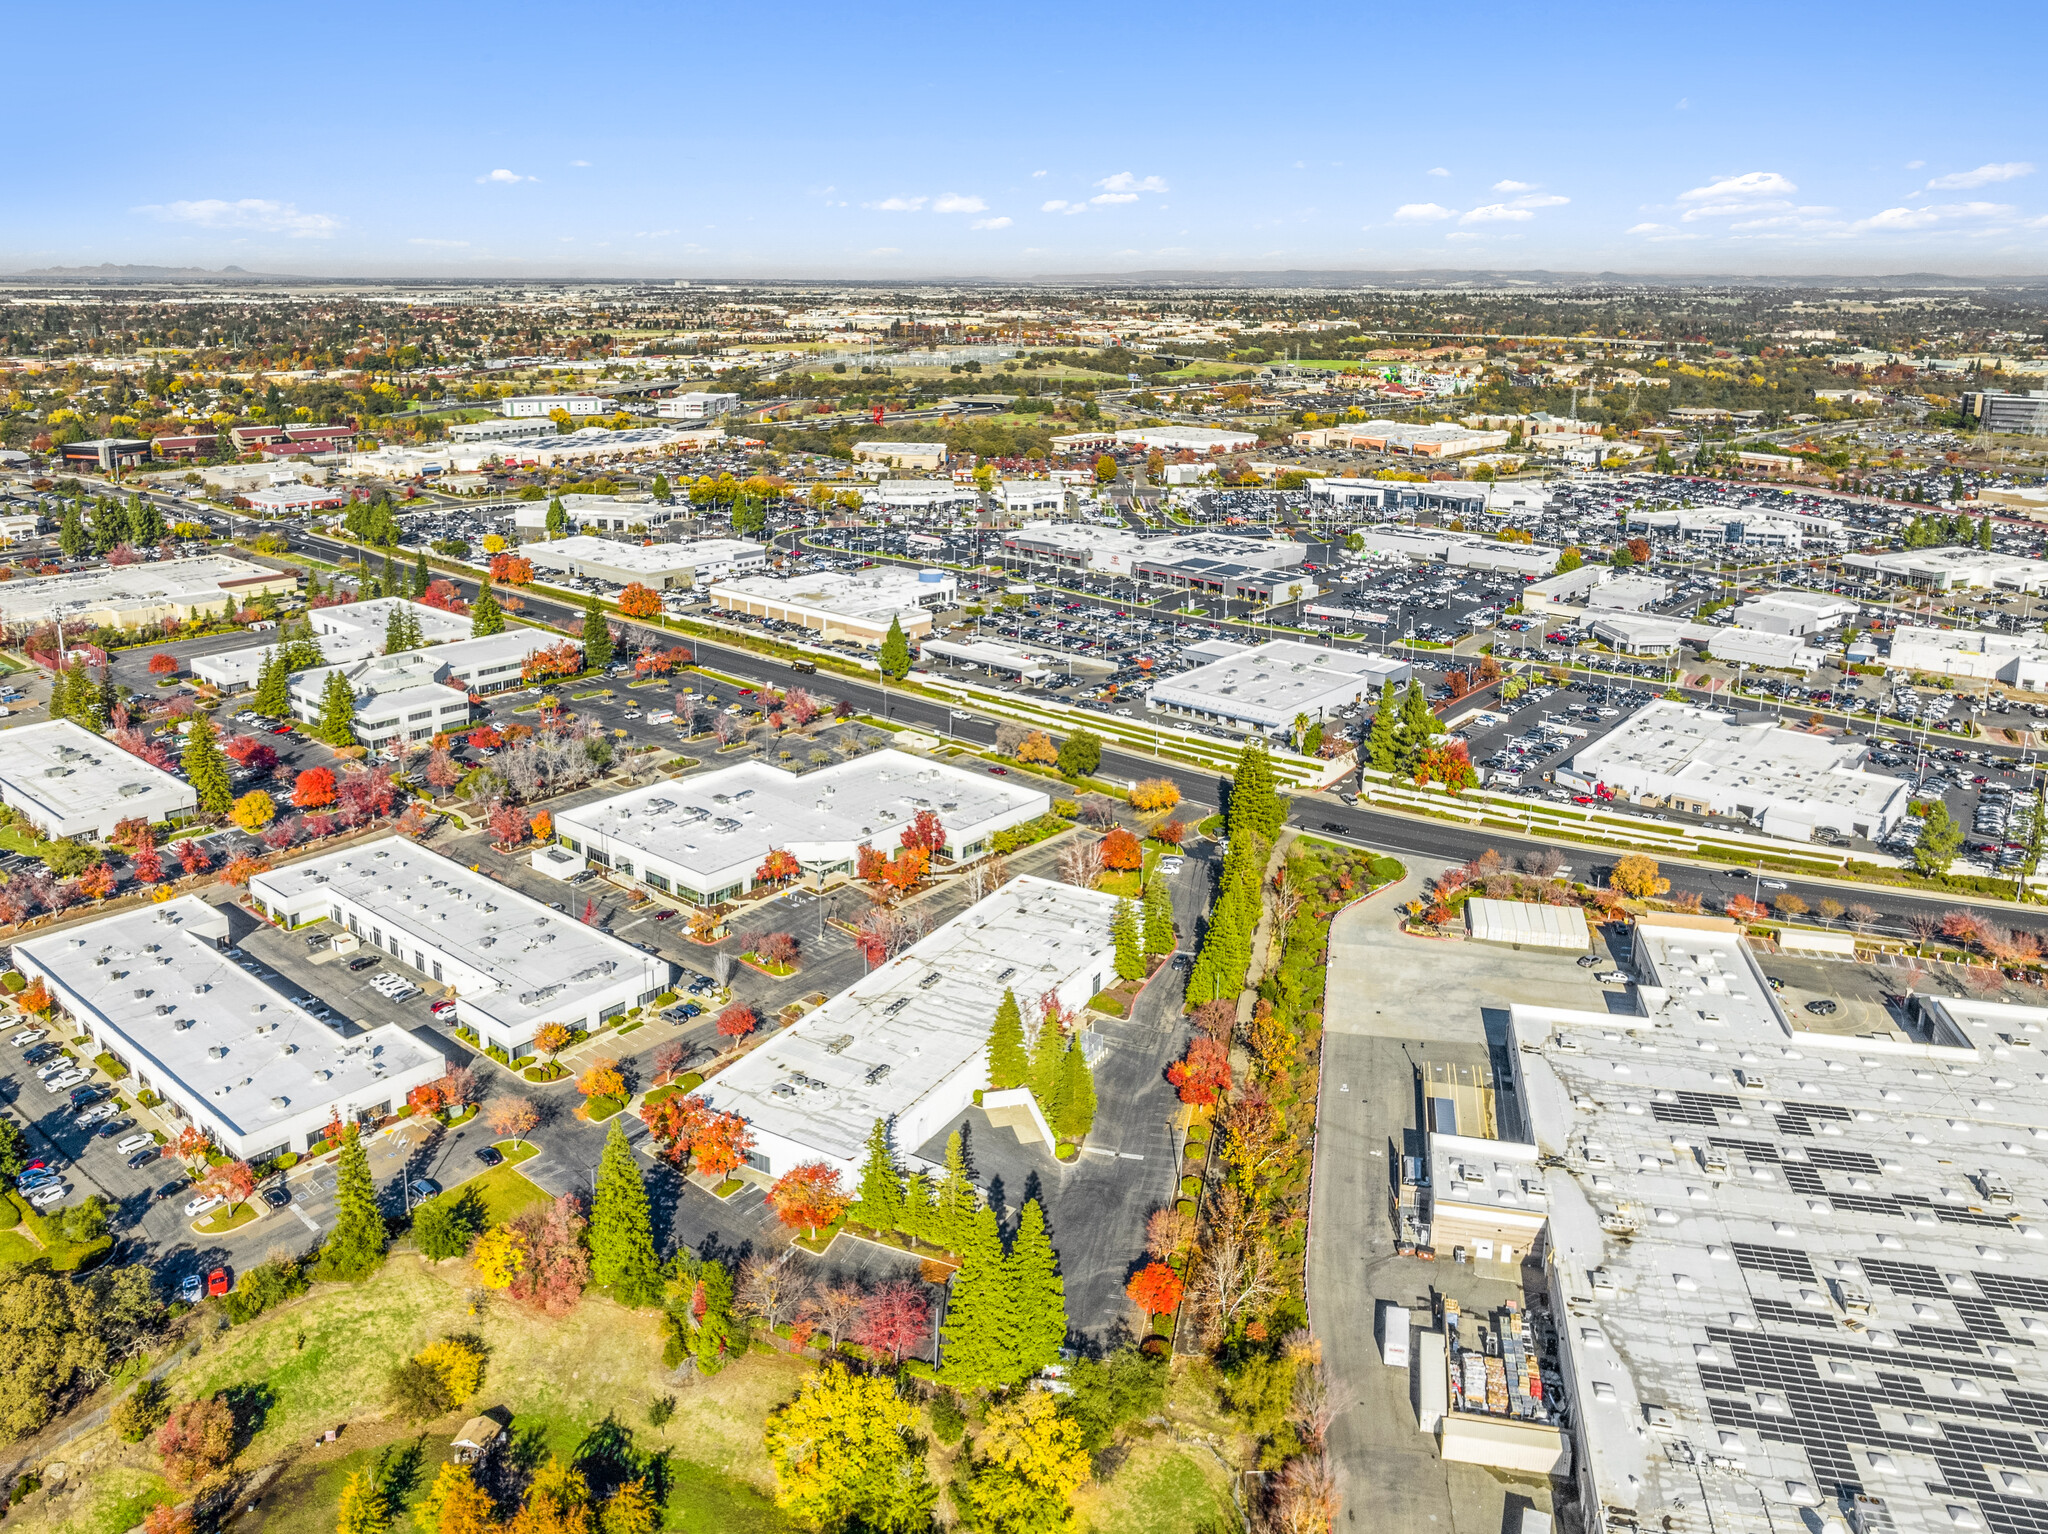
(919, 1217)
(1255, 809)
(356, 1244)
(1077, 1093)
(953, 1202)
(1159, 935)
(597, 637)
(337, 722)
(1038, 1297)
(273, 698)
(206, 769)
(622, 1252)
(980, 1329)
(1123, 931)
(370, 589)
(71, 534)
(558, 518)
(1008, 1064)
(1383, 740)
(60, 692)
(109, 525)
(1418, 725)
(146, 525)
(1046, 1050)
(485, 616)
(394, 632)
(420, 579)
(894, 656)
(88, 700)
(881, 1198)
(390, 578)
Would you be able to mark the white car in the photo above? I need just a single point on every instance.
(98, 1113)
(48, 1195)
(1774, 884)
(1611, 977)
(29, 1036)
(198, 1206)
(64, 1082)
(1172, 865)
(55, 1068)
(134, 1143)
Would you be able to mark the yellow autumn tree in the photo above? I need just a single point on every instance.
(254, 810)
(460, 1363)
(1038, 747)
(1637, 876)
(1029, 1462)
(1153, 795)
(499, 1257)
(455, 1504)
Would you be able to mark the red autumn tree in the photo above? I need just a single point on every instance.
(1122, 851)
(1204, 1074)
(234, 1181)
(313, 788)
(809, 1196)
(778, 867)
(163, 663)
(242, 868)
(486, 739)
(906, 870)
(97, 881)
(895, 1319)
(1155, 1289)
(1171, 832)
(778, 948)
(197, 1442)
(675, 1123)
(639, 601)
(737, 1020)
(252, 752)
(869, 864)
(442, 594)
(512, 570)
(147, 866)
(193, 856)
(925, 834)
(721, 1144)
(508, 826)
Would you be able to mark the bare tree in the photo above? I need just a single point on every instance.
(1923, 927)
(1310, 1408)
(1543, 864)
(1081, 862)
(833, 1309)
(987, 876)
(1233, 1273)
(1098, 810)
(771, 1288)
(1010, 736)
(1862, 916)
(1303, 1496)
(721, 968)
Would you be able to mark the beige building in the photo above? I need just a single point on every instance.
(127, 596)
(902, 455)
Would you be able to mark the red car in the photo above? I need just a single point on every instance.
(1001, 772)
(217, 1282)
(280, 729)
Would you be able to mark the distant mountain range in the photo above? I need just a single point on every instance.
(107, 272)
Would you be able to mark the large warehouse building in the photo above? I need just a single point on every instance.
(154, 988)
(858, 607)
(1785, 781)
(131, 595)
(1261, 690)
(908, 1043)
(345, 632)
(702, 839)
(663, 566)
(513, 963)
(71, 782)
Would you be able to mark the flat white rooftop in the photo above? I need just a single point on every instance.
(189, 1015)
(66, 778)
(919, 1025)
(643, 559)
(144, 587)
(1271, 683)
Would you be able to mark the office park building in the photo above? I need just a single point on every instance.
(703, 839)
(513, 963)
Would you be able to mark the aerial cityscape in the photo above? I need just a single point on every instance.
(1108, 805)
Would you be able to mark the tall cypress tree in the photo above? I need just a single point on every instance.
(953, 1202)
(1045, 1059)
(485, 616)
(1383, 740)
(337, 722)
(420, 579)
(1123, 931)
(146, 523)
(1418, 725)
(89, 698)
(881, 1184)
(894, 655)
(71, 534)
(557, 519)
(273, 687)
(622, 1252)
(920, 1217)
(60, 692)
(394, 632)
(1159, 935)
(356, 1244)
(980, 1329)
(1038, 1296)
(1077, 1093)
(206, 769)
(391, 586)
(1008, 1064)
(1255, 809)
(597, 637)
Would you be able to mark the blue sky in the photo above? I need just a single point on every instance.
(919, 140)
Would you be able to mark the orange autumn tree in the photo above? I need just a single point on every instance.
(810, 1196)
(639, 601)
(602, 1079)
(722, 1144)
(1122, 851)
(1155, 1289)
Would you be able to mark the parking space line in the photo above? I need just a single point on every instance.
(305, 1219)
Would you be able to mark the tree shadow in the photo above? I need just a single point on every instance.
(527, 1450)
(400, 1469)
(606, 1457)
(250, 1403)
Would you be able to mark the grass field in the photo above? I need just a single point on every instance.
(504, 1189)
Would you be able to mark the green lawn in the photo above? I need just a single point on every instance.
(114, 1500)
(1159, 1490)
(230, 1217)
(17, 1248)
(504, 1190)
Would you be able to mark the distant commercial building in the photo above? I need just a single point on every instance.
(902, 455)
(513, 963)
(345, 632)
(417, 694)
(295, 499)
(907, 1043)
(1462, 550)
(663, 566)
(1091, 547)
(1423, 441)
(2029, 501)
(1633, 633)
(1593, 589)
(695, 406)
(548, 404)
(1746, 529)
(1188, 439)
(2004, 410)
(1787, 782)
(850, 607)
(1795, 612)
(504, 429)
(703, 839)
(104, 453)
(634, 511)
(1261, 690)
(1392, 497)
(71, 782)
(155, 988)
(2019, 660)
(185, 444)
(121, 596)
(1954, 569)
(921, 495)
(595, 444)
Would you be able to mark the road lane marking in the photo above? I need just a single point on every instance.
(305, 1219)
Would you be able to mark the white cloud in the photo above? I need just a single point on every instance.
(259, 213)
(1514, 186)
(1061, 205)
(1422, 213)
(1124, 181)
(1542, 200)
(1037, 175)
(1983, 175)
(1743, 188)
(1649, 229)
(897, 204)
(580, 164)
(1914, 164)
(955, 202)
(885, 250)
(1437, 170)
(1102, 199)
(1496, 213)
(990, 223)
(504, 178)
(439, 244)
(1899, 218)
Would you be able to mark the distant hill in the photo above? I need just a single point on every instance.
(108, 272)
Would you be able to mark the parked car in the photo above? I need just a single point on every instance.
(443, 1008)
(136, 1142)
(489, 1155)
(366, 961)
(277, 1195)
(197, 1206)
(217, 1282)
(48, 1196)
(192, 1289)
(423, 1187)
(29, 1036)
(143, 1158)
(59, 1083)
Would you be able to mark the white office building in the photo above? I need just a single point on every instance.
(295, 498)
(921, 496)
(704, 839)
(2019, 660)
(857, 607)
(1261, 690)
(1795, 612)
(513, 963)
(902, 455)
(504, 429)
(1188, 439)
(1954, 569)
(663, 566)
(155, 988)
(345, 632)
(1435, 545)
(907, 1044)
(529, 405)
(71, 782)
(418, 694)
(1785, 781)
(696, 406)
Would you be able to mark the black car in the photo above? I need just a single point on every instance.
(173, 1189)
(143, 1158)
(85, 1097)
(365, 962)
(114, 1126)
(40, 1053)
(277, 1196)
(489, 1155)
